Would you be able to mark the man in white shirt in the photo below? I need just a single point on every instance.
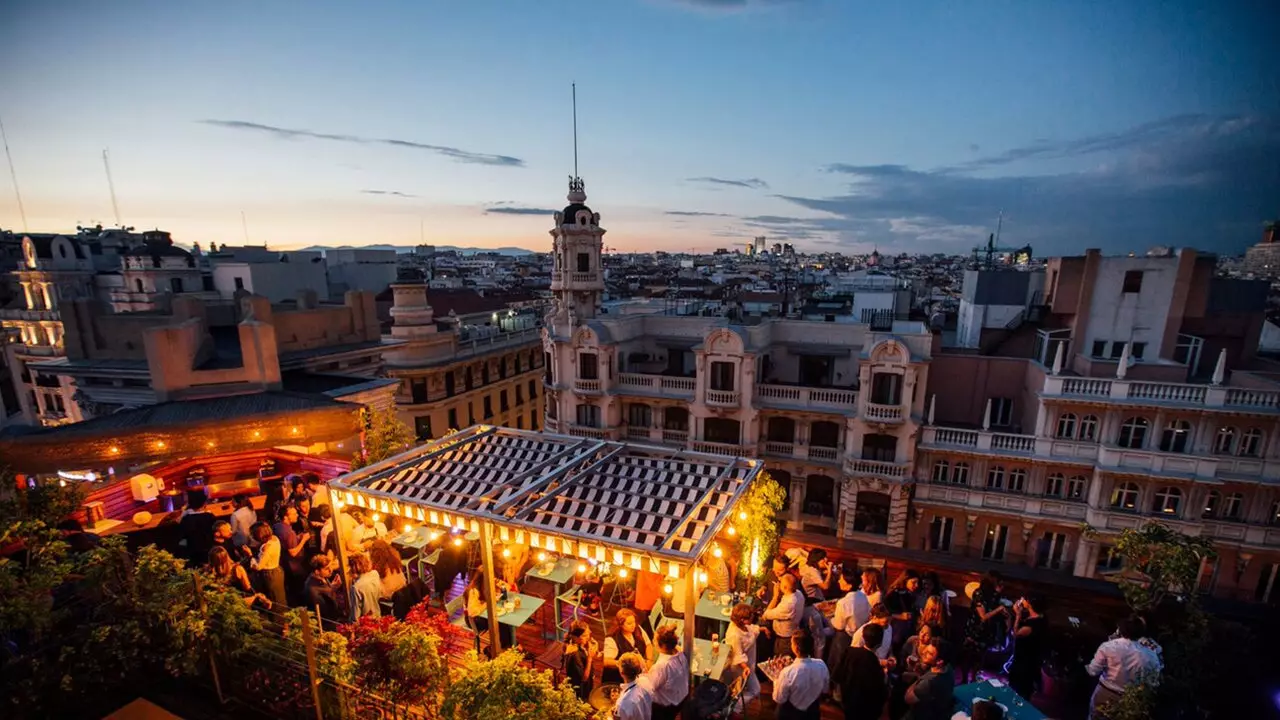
(800, 685)
(668, 680)
(634, 702)
(786, 610)
(880, 616)
(242, 519)
(1120, 663)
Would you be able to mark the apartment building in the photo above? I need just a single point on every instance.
(831, 407)
(452, 376)
(1137, 397)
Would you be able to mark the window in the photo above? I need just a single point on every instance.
(1136, 350)
(519, 422)
(422, 427)
(551, 410)
(997, 537)
(533, 391)
(1132, 281)
(960, 474)
(1251, 443)
(1108, 559)
(995, 477)
(1212, 504)
(1167, 501)
(781, 429)
(827, 434)
(819, 496)
(1099, 349)
(502, 369)
(676, 418)
(1055, 485)
(886, 389)
(1017, 480)
(469, 377)
(533, 420)
(453, 419)
(1075, 487)
(1133, 433)
(1049, 550)
(639, 415)
(1224, 443)
(722, 376)
(941, 471)
(484, 374)
(239, 283)
(879, 447)
(584, 262)
(1066, 426)
(1175, 437)
(548, 375)
(175, 284)
(1117, 350)
(871, 513)
(418, 390)
(940, 533)
(1231, 506)
(1125, 496)
(1089, 427)
(502, 401)
(722, 430)
(471, 414)
(519, 360)
(1273, 516)
(519, 395)
(1001, 412)
(1268, 582)
(588, 366)
(588, 416)
(450, 387)
(137, 285)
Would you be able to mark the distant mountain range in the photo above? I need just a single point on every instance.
(409, 249)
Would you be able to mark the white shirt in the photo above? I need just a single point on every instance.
(368, 589)
(801, 683)
(611, 645)
(742, 646)
(241, 520)
(634, 703)
(882, 652)
(811, 581)
(845, 617)
(668, 679)
(786, 614)
(1120, 662)
(268, 555)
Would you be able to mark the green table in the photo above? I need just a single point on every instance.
(562, 572)
(529, 604)
(1019, 709)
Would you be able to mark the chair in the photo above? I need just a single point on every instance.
(456, 606)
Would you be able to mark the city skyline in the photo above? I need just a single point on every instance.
(701, 124)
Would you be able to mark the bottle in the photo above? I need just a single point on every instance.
(715, 643)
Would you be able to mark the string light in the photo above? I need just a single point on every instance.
(506, 552)
(408, 527)
(376, 517)
(114, 450)
(716, 551)
(622, 573)
(702, 577)
(457, 542)
(582, 567)
(742, 515)
(732, 531)
(435, 535)
(542, 557)
(666, 589)
(160, 444)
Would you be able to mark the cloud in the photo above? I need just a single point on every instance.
(750, 183)
(393, 193)
(506, 207)
(455, 154)
(694, 213)
(1196, 181)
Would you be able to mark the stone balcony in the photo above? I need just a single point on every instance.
(1158, 393)
(1007, 502)
(717, 448)
(794, 397)
(796, 451)
(584, 277)
(664, 386)
(30, 315)
(876, 412)
(723, 398)
(588, 432)
(590, 387)
(977, 439)
(875, 468)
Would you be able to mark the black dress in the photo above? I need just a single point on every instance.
(575, 668)
(1028, 655)
(861, 681)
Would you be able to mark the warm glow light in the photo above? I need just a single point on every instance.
(506, 552)
(542, 557)
(210, 444)
(160, 444)
(376, 517)
(702, 577)
(294, 431)
(732, 531)
(114, 450)
(666, 589)
(457, 542)
(257, 433)
(622, 573)
(716, 551)
(582, 567)
(407, 527)
(435, 535)
(742, 516)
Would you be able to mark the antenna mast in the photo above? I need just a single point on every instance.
(575, 130)
(244, 226)
(22, 212)
(106, 163)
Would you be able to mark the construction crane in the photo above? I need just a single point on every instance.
(1020, 255)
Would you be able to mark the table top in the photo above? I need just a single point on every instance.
(709, 665)
(562, 573)
(529, 604)
(1018, 709)
(604, 697)
(709, 606)
(416, 538)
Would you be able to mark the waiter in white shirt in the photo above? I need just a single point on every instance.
(799, 688)
(880, 616)
(1120, 663)
(741, 642)
(785, 610)
(668, 680)
(634, 702)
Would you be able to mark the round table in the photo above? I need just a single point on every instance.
(604, 696)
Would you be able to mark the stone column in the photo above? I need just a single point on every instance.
(797, 502)
(1085, 551)
(48, 297)
(26, 291)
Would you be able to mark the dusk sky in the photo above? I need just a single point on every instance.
(833, 124)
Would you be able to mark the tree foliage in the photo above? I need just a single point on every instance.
(506, 688)
(385, 436)
(756, 523)
(1158, 561)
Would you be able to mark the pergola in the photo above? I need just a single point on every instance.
(638, 506)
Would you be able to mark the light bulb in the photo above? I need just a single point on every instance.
(622, 573)
(435, 535)
(407, 527)
(732, 531)
(742, 515)
(376, 517)
(506, 552)
(667, 588)
(582, 567)
(542, 557)
(702, 577)
(717, 552)
(457, 542)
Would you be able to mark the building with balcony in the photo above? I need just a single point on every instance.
(833, 408)
(1142, 399)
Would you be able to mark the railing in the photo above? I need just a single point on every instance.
(1016, 443)
(675, 437)
(715, 448)
(1086, 386)
(637, 433)
(791, 395)
(725, 398)
(1160, 392)
(855, 466)
(483, 345)
(583, 277)
(781, 449)
(884, 413)
(22, 314)
(1243, 397)
(828, 454)
(951, 436)
(589, 432)
(586, 385)
(670, 385)
(1167, 392)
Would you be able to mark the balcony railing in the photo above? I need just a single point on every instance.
(951, 436)
(856, 466)
(780, 449)
(817, 398)
(588, 386)
(1015, 443)
(715, 448)
(663, 385)
(584, 277)
(724, 398)
(675, 437)
(826, 454)
(589, 432)
(637, 433)
(884, 413)
(1164, 393)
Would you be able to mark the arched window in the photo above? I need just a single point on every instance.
(1067, 426)
(1075, 487)
(995, 477)
(1167, 500)
(1017, 480)
(1224, 443)
(820, 496)
(960, 474)
(137, 284)
(1212, 504)
(1089, 427)
(1125, 496)
(871, 513)
(1251, 443)
(1176, 436)
(941, 470)
(1133, 433)
(1232, 505)
(1055, 485)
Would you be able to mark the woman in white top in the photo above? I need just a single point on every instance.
(368, 587)
(849, 609)
(815, 575)
(266, 564)
(741, 643)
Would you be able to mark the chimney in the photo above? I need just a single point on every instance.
(1271, 232)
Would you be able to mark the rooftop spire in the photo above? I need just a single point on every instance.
(577, 188)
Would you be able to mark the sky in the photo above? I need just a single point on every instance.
(837, 125)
